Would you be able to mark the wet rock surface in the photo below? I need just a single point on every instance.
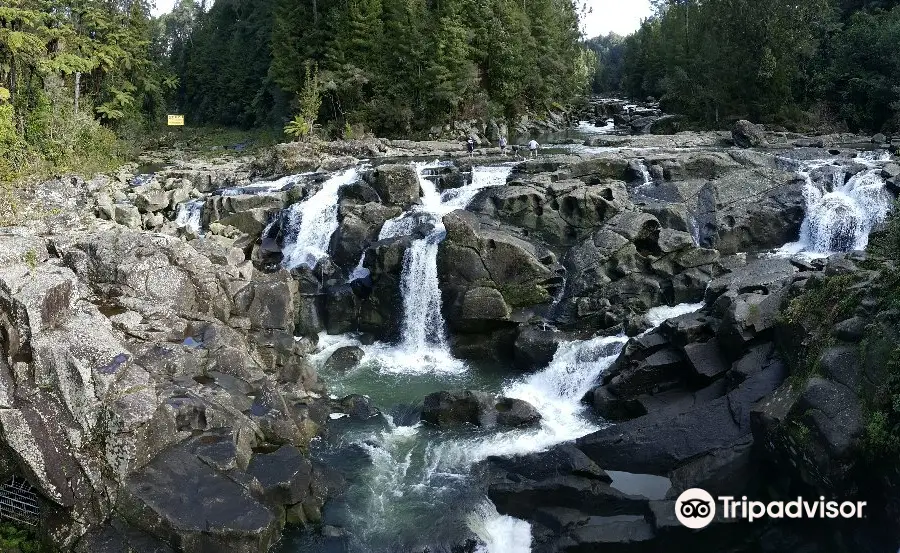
(149, 348)
(454, 409)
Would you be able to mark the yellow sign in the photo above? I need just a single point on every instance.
(176, 120)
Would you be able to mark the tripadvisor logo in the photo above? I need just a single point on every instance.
(696, 508)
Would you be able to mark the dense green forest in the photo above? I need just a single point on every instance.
(77, 74)
(392, 66)
(72, 75)
(805, 63)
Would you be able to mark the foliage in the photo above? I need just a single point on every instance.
(394, 66)
(15, 539)
(310, 102)
(610, 58)
(789, 63)
(73, 72)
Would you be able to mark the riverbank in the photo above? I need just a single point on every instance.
(344, 343)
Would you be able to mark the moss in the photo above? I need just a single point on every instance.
(524, 295)
(799, 433)
(31, 259)
(810, 317)
(14, 539)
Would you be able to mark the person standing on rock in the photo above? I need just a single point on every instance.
(471, 146)
(503, 145)
(533, 147)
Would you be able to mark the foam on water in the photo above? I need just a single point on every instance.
(587, 127)
(499, 533)
(311, 223)
(659, 315)
(417, 472)
(266, 187)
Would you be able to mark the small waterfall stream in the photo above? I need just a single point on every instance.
(189, 215)
(840, 215)
(423, 347)
(311, 223)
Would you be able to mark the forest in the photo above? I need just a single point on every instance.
(807, 64)
(77, 74)
(81, 81)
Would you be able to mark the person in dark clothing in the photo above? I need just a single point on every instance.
(471, 146)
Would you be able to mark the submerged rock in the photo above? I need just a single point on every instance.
(454, 409)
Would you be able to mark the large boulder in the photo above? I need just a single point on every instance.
(398, 185)
(455, 409)
(747, 135)
(486, 275)
(561, 213)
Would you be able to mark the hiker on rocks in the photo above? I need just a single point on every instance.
(533, 147)
(471, 146)
(515, 150)
(503, 145)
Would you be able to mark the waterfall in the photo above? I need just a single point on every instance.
(418, 475)
(645, 173)
(840, 215)
(423, 346)
(842, 219)
(189, 215)
(499, 533)
(695, 230)
(311, 223)
(423, 324)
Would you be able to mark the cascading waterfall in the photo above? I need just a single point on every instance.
(841, 216)
(423, 324)
(498, 533)
(311, 223)
(189, 215)
(842, 219)
(423, 347)
(418, 475)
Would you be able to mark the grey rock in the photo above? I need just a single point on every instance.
(397, 185)
(284, 475)
(747, 135)
(454, 409)
(344, 359)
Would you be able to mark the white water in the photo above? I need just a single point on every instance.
(645, 173)
(312, 222)
(189, 215)
(499, 533)
(659, 315)
(266, 187)
(415, 469)
(840, 216)
(423, 347)
(588, 127)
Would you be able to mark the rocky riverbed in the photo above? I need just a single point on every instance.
(342, 345)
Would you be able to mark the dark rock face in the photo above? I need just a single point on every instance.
(359, 227)
(630, 266)
(561, 212)
(344, 359)
(397, 185)
(487, 274)
(222, 514)
(454, 409)
(747, 135)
